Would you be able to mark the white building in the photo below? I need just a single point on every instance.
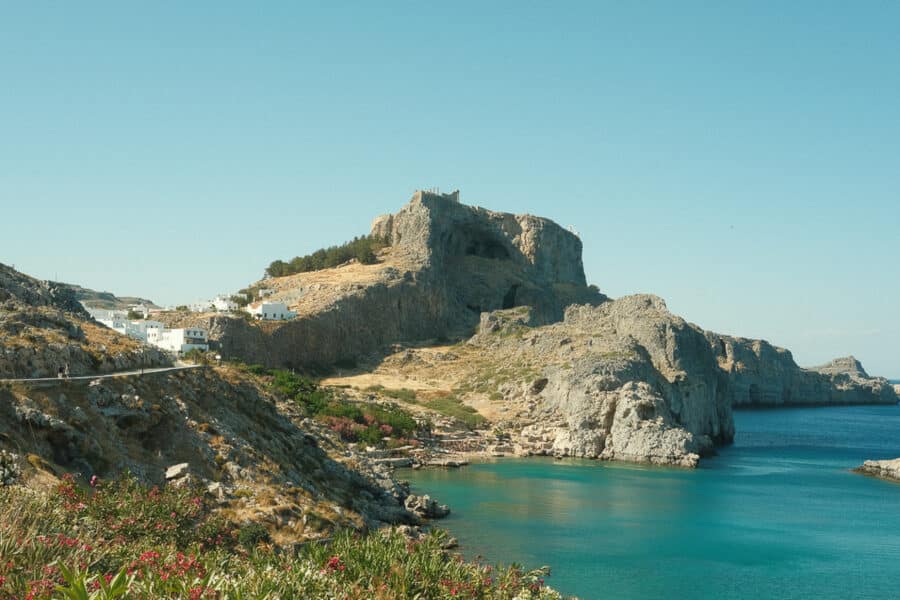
(224, 304)
(219, 304)
(153, 332)
(114, 319)
(179, 340)
(142, 330)
(203, 306)
(141, 309)
(270, 311)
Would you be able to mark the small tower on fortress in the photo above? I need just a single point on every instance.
(436, 193)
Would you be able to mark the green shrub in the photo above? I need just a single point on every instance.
(343, 409)
(250, 536)
(363, 249)
(400, 421)
(452, 406)
(368, 423)
(291, 385)
(404, 394)
(257, 369)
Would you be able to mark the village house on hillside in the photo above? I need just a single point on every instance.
(220, 303)
(179, 340)
(154, 333)
(270, 311)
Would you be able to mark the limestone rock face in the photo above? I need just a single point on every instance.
(18, 289)
(847, 365)
(760, 374)
(626, 380)
(198, 427)
(438, 229)
(448, 263)
(885, 469)
(43, 328)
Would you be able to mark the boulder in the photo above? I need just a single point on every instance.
(177, 471)
(425, 507)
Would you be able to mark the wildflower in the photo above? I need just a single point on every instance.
(334, 564)
(95, 481)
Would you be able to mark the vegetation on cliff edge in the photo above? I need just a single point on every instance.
(363, 249)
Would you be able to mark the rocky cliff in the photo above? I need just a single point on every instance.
(261, 459)
(446, 264)
(883, 469)
(764, 375)
(105, 300)
(43, 327)
(625, 380)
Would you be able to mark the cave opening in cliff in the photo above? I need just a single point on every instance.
(470, 241)
(509, 300)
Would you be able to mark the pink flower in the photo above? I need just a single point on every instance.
(95, 481)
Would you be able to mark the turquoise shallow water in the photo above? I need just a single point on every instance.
(776, 515)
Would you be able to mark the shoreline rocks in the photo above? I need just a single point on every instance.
(883, 469)
(425, 507)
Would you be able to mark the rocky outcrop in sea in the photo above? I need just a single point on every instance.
(883, 469)
(628, 380)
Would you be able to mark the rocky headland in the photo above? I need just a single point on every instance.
(554, 364)
(446, 263)
(883, 469)
(624, 380)
(763, 375)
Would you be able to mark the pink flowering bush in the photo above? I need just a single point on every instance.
(119, 539)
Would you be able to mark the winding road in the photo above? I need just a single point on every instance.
(131, 373)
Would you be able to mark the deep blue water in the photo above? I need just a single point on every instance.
(776, 515)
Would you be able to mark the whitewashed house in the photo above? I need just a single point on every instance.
(114, 319)
(224, 304)
(179, 340)
(141, 330)
(153, 332)
(200, 307)
(219, 303)
(270, 311)
(141, 309)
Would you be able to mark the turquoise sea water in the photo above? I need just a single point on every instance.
(776, 515)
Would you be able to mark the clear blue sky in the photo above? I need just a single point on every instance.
(742, 161)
